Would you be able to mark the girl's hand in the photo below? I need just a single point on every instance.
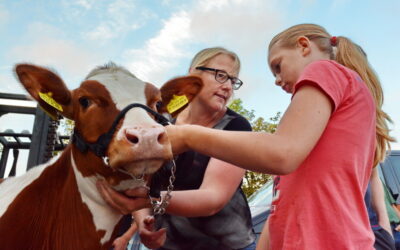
(148, 236)
(120, 243)
(176, 135)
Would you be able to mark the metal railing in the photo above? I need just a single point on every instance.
(41, 142)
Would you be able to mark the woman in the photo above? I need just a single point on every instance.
(208, 209)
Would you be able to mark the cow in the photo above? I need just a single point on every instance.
(116, 138)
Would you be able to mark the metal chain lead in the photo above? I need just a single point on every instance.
(159, 207)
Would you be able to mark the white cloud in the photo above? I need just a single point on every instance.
(121, 17)
(162, 52)
(166, 2)
(4, 15)
(338, 3)
(87, 4)
(79, 5)
(243, 26)
(56, 52)
(50, 49)
(8, 82)
(75, 9)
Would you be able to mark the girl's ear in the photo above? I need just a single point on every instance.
(304, 44)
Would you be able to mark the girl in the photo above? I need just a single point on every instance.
(332, 134)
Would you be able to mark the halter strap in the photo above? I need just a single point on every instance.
(99, 148)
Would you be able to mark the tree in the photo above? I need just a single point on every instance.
(252, 181)
(66, 127)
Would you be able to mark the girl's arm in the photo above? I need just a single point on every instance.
(149, 236)
(280, 153)
(121, 242)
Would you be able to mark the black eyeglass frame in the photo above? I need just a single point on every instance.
(236, 82)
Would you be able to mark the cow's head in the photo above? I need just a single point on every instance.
(139, 144)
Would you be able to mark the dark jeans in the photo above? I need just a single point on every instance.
(383, 240)
(396, 236)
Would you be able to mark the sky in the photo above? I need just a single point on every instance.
(156, 40)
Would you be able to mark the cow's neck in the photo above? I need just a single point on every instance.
(86, 181)
(60, 205)
(104, 217)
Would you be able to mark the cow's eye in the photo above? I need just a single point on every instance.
(84, 102)
(159, 105)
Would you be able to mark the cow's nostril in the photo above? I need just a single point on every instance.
(161, 138)
(132, 138)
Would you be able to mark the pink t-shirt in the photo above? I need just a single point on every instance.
(321, 205)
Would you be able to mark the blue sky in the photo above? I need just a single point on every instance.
(156, 40)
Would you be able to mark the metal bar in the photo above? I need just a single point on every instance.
(14, 96)
(15, 134)
(39, 139)
(3, 161)
(13, 170)
(16, 145)
(4, 109)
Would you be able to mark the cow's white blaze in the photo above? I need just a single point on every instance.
(104, 217)
(125, 89)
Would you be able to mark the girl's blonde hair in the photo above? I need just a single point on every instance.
(352, 56)
(205, 55)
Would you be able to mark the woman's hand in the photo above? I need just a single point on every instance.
(134, 199)
(148, 236)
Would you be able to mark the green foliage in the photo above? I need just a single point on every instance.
(237, 106)
(252, 181)
(67, 126)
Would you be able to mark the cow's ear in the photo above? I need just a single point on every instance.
(178, 92)
(46, 88)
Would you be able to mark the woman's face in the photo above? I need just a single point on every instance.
(214, 94)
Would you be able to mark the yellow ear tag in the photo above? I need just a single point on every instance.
(49, 100)
(177, 102)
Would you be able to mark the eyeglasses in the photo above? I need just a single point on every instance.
(221, 77)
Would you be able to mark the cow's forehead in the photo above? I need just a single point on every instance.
(124, 88)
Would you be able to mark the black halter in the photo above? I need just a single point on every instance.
(99, 148)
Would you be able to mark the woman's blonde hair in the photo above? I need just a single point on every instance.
(352, 56)
(205, 55)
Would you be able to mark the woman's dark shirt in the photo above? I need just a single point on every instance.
(230, 228)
